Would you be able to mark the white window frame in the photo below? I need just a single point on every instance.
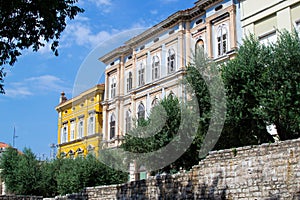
(127, 121)
(171, 59)
(141, 75)
(91, 124)
(112, 124)
(64, 133)
(155, 67)
(268, 37)
(72, 130)
(141, 111)
(222, 40)
(113, 87)
(129, 81)
(80, 130)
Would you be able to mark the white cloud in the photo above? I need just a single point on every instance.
(100, 3)
(103, 5)
(82, 34)
(36, 85)
(169, 1)
(20, 91)
(153, 12)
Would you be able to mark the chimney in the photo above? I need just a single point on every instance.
(62, 98)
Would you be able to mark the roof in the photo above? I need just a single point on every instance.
(174, 18)
(81, 95)
(3, 145)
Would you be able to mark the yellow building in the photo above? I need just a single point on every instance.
(80, 123)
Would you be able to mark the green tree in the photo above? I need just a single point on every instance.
(73, 175)
(280, 104)
(244, 81)
(29, 174)
(30, 24)
(160, 129)
(9, 168)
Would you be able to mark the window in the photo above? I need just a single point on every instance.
(268, 38)
(79, 152)
(91, 150)
(112, 126)
(298, 27)
(91, 125)
(154, 102)
(113, 86)
(64, 133)
(129, 82)
(171, 61)
(155, 67)
(72, 131)
(171, 95)
(222, 37)
(141, 75)
(199, 45)
(71, 154)
(128, 121)
(80, 128)
(141, 112)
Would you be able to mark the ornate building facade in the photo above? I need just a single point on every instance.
(80, 123)
(151, 65)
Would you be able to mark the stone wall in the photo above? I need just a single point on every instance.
(268, 171)
(20, 197)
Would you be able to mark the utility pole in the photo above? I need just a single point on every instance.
(14, 136)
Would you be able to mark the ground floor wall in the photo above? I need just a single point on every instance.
(268, 171)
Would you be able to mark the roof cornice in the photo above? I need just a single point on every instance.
(99, 87)
(181, 15)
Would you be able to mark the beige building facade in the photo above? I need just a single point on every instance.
(266, 18)
(149, 66)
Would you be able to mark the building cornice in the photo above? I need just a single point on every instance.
(182, 15)
(99, 87)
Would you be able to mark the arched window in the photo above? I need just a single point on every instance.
(71, 153)
(171, 95)
(199, 44)
(171, 61)
(155, 67)
(222, 40)
(112, 126)
(154, 102)
(113, 86)
(91, 149)
(141, 111)
(141, 75)
(128, 121)
(129, 82)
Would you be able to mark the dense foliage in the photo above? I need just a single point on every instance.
(262, 89)
(31, 24)
(25, 175)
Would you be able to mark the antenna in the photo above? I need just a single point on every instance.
(14, 136)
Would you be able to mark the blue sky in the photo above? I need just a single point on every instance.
(34, 83)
